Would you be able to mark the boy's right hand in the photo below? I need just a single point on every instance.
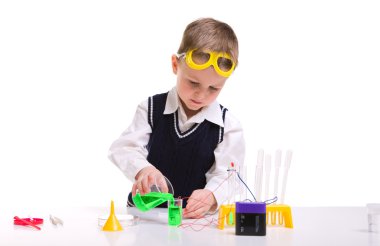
(147, 177)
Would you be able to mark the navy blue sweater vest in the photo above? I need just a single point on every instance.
(184, 158)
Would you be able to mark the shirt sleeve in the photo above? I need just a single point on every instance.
(129, 151)
(231, 149)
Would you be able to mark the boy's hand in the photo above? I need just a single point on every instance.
(199, 203)
(147, 177)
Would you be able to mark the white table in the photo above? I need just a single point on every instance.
(312, 226)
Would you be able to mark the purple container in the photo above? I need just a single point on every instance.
(250, 218)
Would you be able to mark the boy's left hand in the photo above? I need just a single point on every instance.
(199, 203)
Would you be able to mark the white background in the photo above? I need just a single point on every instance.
(73, 72)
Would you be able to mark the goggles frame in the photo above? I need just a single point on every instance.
(213, 61)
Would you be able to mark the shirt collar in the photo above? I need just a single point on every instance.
(212, 112)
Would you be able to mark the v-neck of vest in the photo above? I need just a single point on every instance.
(185, 133)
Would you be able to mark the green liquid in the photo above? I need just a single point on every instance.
(151, 200)
(175, 215)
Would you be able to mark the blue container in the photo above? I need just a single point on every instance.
(250, 218)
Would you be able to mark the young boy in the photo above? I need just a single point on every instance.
(185, 134)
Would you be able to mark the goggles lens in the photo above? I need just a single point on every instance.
(225, 64)
(199, 60)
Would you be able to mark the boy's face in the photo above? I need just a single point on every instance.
(196, 88)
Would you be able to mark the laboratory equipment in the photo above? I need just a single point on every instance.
(175, 211)
(156, 197)
(151, 200)
(288, 158)
(250, 218)
(279, 214)
(267, 169)
(33, 222)
(277, 163)
(112, 223)
(125, 220)
(226, 215)
(259, 174)
(55, 220)
(373, 210)
(227, 211)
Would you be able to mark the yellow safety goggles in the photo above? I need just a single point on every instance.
(199, 60)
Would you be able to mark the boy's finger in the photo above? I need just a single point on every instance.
(139, 187)
(145, 185)
(195, 214)
(193, 204)
(162, 184)
(134, 188)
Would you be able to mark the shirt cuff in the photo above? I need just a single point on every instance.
(136, 167)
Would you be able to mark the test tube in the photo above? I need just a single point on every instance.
(277, 163)
(268, 164)
(259, 174)
(243, 189)
(288, 158)
(231, 183)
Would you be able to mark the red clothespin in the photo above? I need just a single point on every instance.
(33, 222)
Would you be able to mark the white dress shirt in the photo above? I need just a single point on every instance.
(129, 154)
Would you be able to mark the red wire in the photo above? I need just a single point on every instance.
(209, 222)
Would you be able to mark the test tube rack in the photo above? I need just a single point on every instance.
(226, 216)
(279, 214)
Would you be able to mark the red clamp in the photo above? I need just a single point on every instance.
(28, 222)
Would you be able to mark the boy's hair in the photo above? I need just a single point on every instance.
(210, 34)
